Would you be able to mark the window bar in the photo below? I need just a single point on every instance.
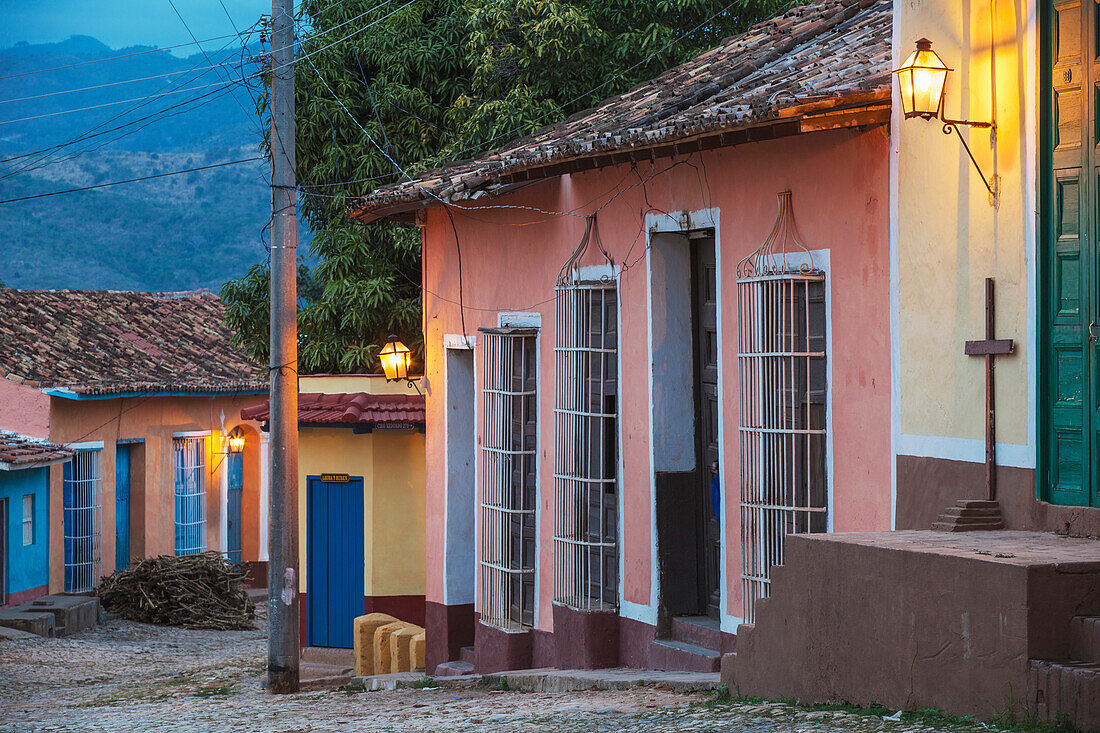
(779, 391)
(82, 521)
(190, 495)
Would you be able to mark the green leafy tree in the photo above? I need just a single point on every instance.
(382, 92)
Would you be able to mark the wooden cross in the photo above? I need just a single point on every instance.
(990, 347)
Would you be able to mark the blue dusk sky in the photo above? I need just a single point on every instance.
(121, 23)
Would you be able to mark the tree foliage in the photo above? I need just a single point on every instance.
(383, 89)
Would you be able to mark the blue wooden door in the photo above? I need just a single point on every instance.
(233, 501)
(334, 560)
(122, 506)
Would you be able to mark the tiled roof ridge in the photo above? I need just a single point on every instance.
(348, 408)
(826, 54)
(17, 449)
(196, 292)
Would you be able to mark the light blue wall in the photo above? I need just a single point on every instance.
(27, 567)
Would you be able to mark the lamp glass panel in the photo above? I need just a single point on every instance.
(921, 79)
(395, 360)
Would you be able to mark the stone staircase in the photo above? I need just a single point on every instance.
(969, 515)
(693, 645)
(1070, 687)
(53, 615)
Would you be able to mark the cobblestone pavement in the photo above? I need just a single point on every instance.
(131, 678)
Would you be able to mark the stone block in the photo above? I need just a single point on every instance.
(33, 622)
(400, 648)
(382, 654)
(418, 647)
(363, 634)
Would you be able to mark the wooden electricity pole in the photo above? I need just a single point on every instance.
(282, 644)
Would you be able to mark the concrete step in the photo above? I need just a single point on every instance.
(328, 655)
(8, 634)
(966, 511)
(1084, 638)
(701, 631)
(454, 669)
(323, 676)
(979, 504)
(567, 680)
(1058, 688)
(680, 656)
(948, 524)
(72, 613)
(375, 682)
(33, 622)
(468, 654)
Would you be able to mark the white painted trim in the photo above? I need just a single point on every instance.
(518, 319)
(620, 469)
(539, 426)
(265, 494)
(86, 445)
(895, 277)
(458, 341)
(971, 450)
(672, 223)
(462, 344)
(193, 434)
(223, 521)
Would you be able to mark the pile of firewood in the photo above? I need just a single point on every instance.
(200, 591)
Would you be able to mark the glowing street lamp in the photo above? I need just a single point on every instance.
(395, 358)
(236, 441)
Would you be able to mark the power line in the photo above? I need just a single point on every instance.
(112, 58)
(110, 84)
(131, 180)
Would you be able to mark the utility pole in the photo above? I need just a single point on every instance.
(282, 604)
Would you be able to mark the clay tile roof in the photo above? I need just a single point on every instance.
(98, 342)
(825, 55)
(349, 409)
(19, 451)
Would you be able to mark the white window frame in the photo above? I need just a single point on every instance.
(189, 457)
(760, 550)
(28, 520)
(582, 433)
(500, 571)
(82, 505)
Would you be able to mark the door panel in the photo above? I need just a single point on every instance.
(122, 506)
(334, 561)
(1069, 303)
(706, 385)
(235, 487)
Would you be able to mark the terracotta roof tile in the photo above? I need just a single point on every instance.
(98, 342)
(349, 409)
(825, 53)
(19, 451)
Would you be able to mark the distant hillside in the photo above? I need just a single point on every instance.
(177, 232)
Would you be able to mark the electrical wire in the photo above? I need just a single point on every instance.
(131, 180)
(109, 84)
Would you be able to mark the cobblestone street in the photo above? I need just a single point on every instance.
(132, 678)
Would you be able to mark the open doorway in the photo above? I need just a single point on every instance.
(685, 418)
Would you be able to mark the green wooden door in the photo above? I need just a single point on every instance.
(1070, 276)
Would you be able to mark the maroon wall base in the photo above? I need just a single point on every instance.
(915, 619)
(449, 629)
(500, 651)
(257, 574)
(26, 596)
(926, 486)
(585, 639)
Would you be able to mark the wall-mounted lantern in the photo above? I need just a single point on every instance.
(395, 358)
(236, 440)
(922, 79)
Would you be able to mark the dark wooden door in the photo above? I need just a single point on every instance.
(235, 486)
(334, 560)
(122, 506)
(1069, 308)
(706, 403)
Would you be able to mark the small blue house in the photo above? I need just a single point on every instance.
(25, 515)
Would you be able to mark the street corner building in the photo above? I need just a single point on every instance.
(727, 345)
(24, 515)
(360, 503)
(145, 390)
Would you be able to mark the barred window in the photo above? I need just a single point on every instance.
(508, 491)
(81, 487)
(586, 446)
(28, 519)
(190, 494)
(783, 392)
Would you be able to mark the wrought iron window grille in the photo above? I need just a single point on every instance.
(190, 495)
(82, 491)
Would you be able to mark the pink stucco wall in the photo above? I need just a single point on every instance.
(24, 409)
(511, 257)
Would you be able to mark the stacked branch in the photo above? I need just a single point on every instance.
(200, 591)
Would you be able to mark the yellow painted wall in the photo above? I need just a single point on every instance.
(392, 466)
(350, 383)
(948, 237)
